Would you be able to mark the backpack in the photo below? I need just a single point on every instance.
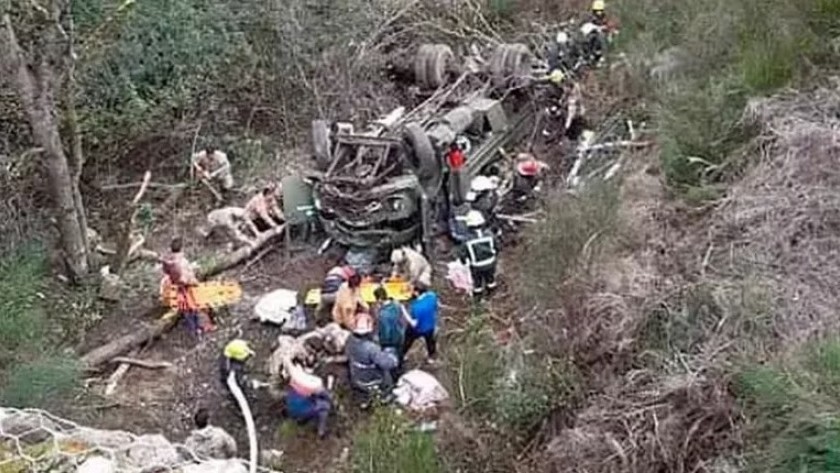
(390, 328)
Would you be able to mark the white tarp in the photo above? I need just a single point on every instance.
(280, 307)
(419, 391)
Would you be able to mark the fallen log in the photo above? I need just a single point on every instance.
(115, 348)
(243, 254)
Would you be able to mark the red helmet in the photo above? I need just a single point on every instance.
(529, 168)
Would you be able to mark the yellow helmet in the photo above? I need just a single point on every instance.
(238, 350)
(557, 77)
(598, 5)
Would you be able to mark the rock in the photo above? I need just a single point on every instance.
(110, 439)
(216, 466)
(97, 465)
(272, 458)
(27, 427)
(111, 287)
(151, 452)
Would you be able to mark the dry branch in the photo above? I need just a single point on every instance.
(152, 365)
(124, 245)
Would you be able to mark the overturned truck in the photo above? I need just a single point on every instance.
(387, 185)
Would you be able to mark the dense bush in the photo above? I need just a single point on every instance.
(729, 51)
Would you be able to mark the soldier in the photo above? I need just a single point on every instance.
(262, 209)
(229, 220)
(214, 165)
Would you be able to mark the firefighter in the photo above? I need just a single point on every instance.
(233, 359)
(599, 13)
(528, 173)
(563, 54)
(483, 196)
(479, 254)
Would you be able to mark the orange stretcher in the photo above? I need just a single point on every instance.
(208, 295)
(399, 289)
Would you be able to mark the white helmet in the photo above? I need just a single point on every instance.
(562, 37)
(474, 219)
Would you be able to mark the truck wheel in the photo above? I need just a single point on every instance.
(432, 65)
(510, 61)
(423, 157)
(321, 143)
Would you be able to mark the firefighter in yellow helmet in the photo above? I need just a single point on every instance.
(233, 359)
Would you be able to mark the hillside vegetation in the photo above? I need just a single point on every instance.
(680, 318)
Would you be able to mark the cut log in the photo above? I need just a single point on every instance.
(243, 254)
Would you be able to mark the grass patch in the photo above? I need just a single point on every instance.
(792, 412)
(388, 444)
(40, 382)
(32, 374)
(575, 228)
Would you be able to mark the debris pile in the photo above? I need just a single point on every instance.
(34, 440)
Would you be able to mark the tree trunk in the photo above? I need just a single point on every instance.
(77, 160)
(36, 82)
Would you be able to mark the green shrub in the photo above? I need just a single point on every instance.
(574, 229)
(476, 365)
(389, 444)
(41, 382)
(792, 412)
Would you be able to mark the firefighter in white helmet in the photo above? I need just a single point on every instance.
(479, 254)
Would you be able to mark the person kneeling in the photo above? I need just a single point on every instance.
(306, 399)
(371, 367)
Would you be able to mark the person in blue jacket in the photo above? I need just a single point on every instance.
(424, 310)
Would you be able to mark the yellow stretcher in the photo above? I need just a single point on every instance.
(399, 289)
(208, 295)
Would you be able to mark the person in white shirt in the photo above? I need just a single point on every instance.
(208, 442)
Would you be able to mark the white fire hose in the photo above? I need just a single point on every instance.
(249, 420)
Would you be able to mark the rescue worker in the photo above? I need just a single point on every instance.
(214, 165)
(455, 159)
(479, 254)
(336, 276)
(410, 265)
(233, 359)
(208, 442)
(599, 13)
(563, 54)
(392, 321)
(179, 271)
(307, 399)
(230, 220)
(263, 211)
(527, 177)
(483, 196)
(348, 301)
(424, 309)
(371, 367)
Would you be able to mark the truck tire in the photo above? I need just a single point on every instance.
(439, 66)
(510, 62)
(321, 144)
(432, 65)
(421, 61)
(423, 157)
